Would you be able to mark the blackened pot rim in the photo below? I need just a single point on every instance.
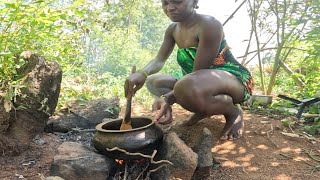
(100, 129)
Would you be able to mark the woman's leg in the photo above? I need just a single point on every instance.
(160, 84)
(212, 92)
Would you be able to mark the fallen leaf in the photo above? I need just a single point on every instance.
(7, 105)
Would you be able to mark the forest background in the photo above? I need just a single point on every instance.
(96, 42)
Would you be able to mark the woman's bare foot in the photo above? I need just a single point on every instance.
(195, 118)
(234, 126)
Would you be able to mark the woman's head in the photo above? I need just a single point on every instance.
(179, 10)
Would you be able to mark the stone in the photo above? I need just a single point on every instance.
(203, 149)
(84, 117)
(36, 100)
(75, 161)
(183, 158)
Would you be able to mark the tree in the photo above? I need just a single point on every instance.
(279, 25)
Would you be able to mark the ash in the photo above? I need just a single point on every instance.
(83, 137)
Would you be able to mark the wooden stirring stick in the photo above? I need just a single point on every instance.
(126, 122)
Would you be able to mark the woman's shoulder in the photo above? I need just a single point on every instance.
(172, 26)
(207, 19)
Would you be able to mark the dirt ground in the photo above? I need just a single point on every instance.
(264, 152)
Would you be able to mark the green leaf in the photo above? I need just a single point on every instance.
(10, 5)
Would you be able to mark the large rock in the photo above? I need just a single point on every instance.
(75, 161)
(183, 158)
(203, 149)
(38, 98)
(84, 117)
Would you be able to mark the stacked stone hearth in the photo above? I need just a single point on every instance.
(76, 160)
(32, 114)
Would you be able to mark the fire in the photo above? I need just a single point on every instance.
(119, 161)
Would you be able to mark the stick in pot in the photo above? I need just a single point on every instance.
(126, 122)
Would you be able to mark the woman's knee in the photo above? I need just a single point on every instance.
(194, 94)
(150, 82)
(159, 84)
(188, 94)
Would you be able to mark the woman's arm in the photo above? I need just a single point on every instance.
(210, 36)
(135, 81)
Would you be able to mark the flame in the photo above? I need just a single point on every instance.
(119, 161)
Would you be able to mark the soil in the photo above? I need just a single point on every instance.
(264, 152)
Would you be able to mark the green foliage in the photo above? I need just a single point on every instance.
(42, 27)
(118, 36)
(288, 122)
(294, 28)
(313, 128)
(83, 87)
(273, 111)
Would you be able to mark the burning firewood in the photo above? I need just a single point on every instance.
(146, 171)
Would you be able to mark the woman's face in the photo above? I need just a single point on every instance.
(177, 10)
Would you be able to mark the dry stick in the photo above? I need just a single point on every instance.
(309, 138)
(315, 168)
(156, 169)
(291, 129)
(125, 171)
(142, 155)
(256, 131)
(142, 172)
(231, 16)
(286, 156)
(145, 156)
(311, 154)
(270, 138)
(290, 157)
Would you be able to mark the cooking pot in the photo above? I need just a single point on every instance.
(144, 137)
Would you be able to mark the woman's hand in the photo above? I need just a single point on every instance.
(162, 111)
(133, 83)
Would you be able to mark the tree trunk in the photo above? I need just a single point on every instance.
(297, 80)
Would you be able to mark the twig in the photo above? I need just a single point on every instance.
(145, 156)
(243, 169)
(231, 16)
(315, 168)
(156, 169)
(142, 172)
(256, 131)
(290, 157)
(268, 136)
(291, 129)
(142, 155)
(125, 171)
(309, 138)
(312, 155)
(286, 156)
